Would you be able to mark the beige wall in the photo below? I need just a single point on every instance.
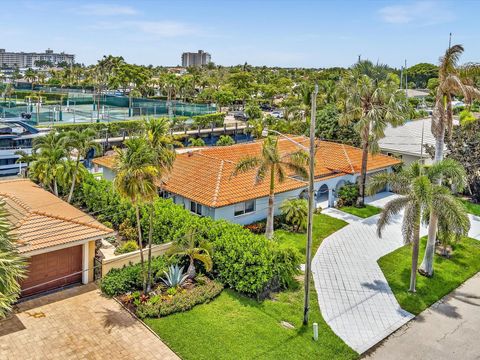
(119, 261)
(91, 263)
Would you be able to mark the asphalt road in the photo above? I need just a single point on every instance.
(449, 329)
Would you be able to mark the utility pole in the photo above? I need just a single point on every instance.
(311, 178)
(450, 41)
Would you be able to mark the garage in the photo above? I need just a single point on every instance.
(53, 270)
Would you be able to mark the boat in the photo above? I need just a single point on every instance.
(15, 135)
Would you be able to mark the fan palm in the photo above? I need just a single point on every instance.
(136, 177)
(420, 195)
(194, 250)
(163, 158)
(372, 105)
(275, 165)
(451, 81)
(12, 267)
(83, 142)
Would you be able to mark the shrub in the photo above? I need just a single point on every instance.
(181, 301)
(225, 140)
(126, 247)
(347, 195)
(260, 226)
(296, 213)
(129, 278)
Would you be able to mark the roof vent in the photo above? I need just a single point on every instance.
(190, 153)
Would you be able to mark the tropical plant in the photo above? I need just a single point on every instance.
(175, 276)
(275, 165)
(347, 195)
(420, 195)
(51, 154)
(136, 177)
(82, 142)
(371, 105)
(194, 142)
(194, 250)
(296, 213)
(12, 266)
(225, 140)
(163, 158)
(451, 81)
(25, 158)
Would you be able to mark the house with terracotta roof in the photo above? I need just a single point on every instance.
(203, 182)
(57, 239)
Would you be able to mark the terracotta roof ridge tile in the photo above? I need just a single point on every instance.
(57, 217)
(213, 157)
(348, 159)
(217, 185)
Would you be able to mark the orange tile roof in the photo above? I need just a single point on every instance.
(41, 220)
(205, 175)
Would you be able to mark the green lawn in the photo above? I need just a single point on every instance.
(471, 207)
(236, 327)
(364, 212)
(449, 274)
(323, 226)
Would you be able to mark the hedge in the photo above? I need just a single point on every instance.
(244, 261)
(181, 301)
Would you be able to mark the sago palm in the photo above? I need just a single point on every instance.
(136, 177)
(372, 105)
(419, 196)
(450, 82)
(194, 250)
(274, 165)
(82, 142)
(12, 267)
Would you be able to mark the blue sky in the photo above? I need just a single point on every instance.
(282, 33)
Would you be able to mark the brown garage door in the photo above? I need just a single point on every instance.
(53, 270)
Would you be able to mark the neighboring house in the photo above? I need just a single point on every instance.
(405, 142)
(203, 182)
(57, 239)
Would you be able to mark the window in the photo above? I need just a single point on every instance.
(195, 208)
(244, 208)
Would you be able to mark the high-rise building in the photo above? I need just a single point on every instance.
(195, 59)
(24, 60)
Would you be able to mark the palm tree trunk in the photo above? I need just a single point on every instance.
(74, 179)
(55, 187)
(191, 272)
(149, 260)
(426, 267)
(363, 176)
(416, 241)
(140, 244)
(271, 205)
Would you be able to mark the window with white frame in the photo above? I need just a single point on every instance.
(195, 208)
(244, 208)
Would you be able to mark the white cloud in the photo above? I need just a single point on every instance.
(160, 29)
(106, 10)
(420, 12)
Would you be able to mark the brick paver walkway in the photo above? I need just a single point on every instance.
(353, 294)
(77, 323)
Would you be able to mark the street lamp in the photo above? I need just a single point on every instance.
(311, 183)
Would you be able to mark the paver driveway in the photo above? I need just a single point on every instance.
(353, 294)
(77, 323)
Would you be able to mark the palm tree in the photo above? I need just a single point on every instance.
(164, 156)
(136, 177)
(194, 250)
(275, 165)
(25, 158)
(52, 152)
(83, 142)
(196, 142)
(372, 105)
(450, 83)
(296, 213)
(12, 266)
(420, 195)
